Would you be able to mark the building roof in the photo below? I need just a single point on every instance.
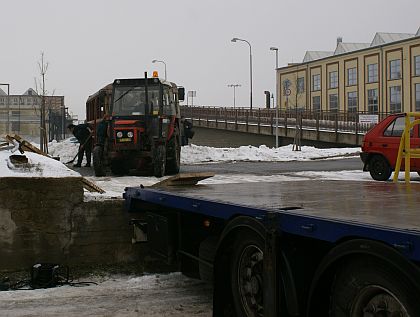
(30, 92)
(349, 47)
(313, 55)
(382, 38)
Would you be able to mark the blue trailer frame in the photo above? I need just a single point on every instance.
(325, 233)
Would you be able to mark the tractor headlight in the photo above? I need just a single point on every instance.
(119, 134)
(130, 134)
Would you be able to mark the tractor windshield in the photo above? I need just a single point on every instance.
(131, 100)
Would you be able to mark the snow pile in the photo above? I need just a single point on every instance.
(194, 154)
(37, 166)
(66, 149)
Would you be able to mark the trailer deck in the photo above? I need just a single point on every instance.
(326, 210)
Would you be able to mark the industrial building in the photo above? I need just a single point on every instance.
(382, 76)
(21, 114)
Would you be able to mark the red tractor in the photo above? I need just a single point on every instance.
(137, 126)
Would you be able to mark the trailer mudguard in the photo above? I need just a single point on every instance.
(345, 251)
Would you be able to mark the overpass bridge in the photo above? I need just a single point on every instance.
(244, 124)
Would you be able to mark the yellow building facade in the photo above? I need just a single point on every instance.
(378, 77)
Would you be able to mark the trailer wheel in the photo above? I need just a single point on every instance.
(98, 162)
(379, 168)
(369, 287)
(159, 160)
(247, 275)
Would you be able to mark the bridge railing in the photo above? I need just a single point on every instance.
(325, 120)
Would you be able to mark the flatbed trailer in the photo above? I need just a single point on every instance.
(295, 248)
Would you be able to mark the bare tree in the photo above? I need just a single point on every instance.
(41, 90)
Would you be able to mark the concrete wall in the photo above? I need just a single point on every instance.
(46, 220)
(235, 136)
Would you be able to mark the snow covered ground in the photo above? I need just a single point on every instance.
(191, 154)
(117, 295)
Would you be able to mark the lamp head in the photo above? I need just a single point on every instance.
(154, 61)
(234, 39)
(273, 48)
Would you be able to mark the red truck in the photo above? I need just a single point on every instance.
(380, 147)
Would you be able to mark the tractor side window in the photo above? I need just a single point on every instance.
(154, 100)
(396, 128)
(168, 103)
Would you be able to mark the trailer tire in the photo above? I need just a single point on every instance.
(379, 168)
(247, 275)
(98, 161)
(370, 287)
(159, 160)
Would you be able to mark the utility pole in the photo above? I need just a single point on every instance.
(234, 86)
(277, 96)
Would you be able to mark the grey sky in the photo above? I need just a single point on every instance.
(90, 43)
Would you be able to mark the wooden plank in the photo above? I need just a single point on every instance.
(183, 179)
(92, 187)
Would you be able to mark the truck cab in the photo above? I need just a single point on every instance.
(380, 147)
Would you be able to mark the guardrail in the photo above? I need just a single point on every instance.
(331, 121)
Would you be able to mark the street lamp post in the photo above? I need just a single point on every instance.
(156, 61)
(277, 96)
(235, 39)
(234, 86)
(7, 107)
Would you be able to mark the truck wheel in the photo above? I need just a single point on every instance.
(369, 287)
(379, 168)
(159, 161)
(98, 163)
(247, 275)
(173, 165)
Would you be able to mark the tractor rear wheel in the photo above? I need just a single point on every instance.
(98, 161)
(173, 164)
(159, 160)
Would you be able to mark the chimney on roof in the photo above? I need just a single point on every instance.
(339, 40)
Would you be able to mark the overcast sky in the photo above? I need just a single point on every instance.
(90, 43)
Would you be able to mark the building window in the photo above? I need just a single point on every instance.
(300, 85)
(395, 69)
(352, 101)
(372, 101)
(316, 82)
(316, 103)
(333, 80)
(372, 73)
(395, 99)
(417, 65)
(351, 76)
(1, 101)
(333, 102)
(417, 97)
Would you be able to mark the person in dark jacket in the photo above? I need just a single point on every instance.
(83, 134)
